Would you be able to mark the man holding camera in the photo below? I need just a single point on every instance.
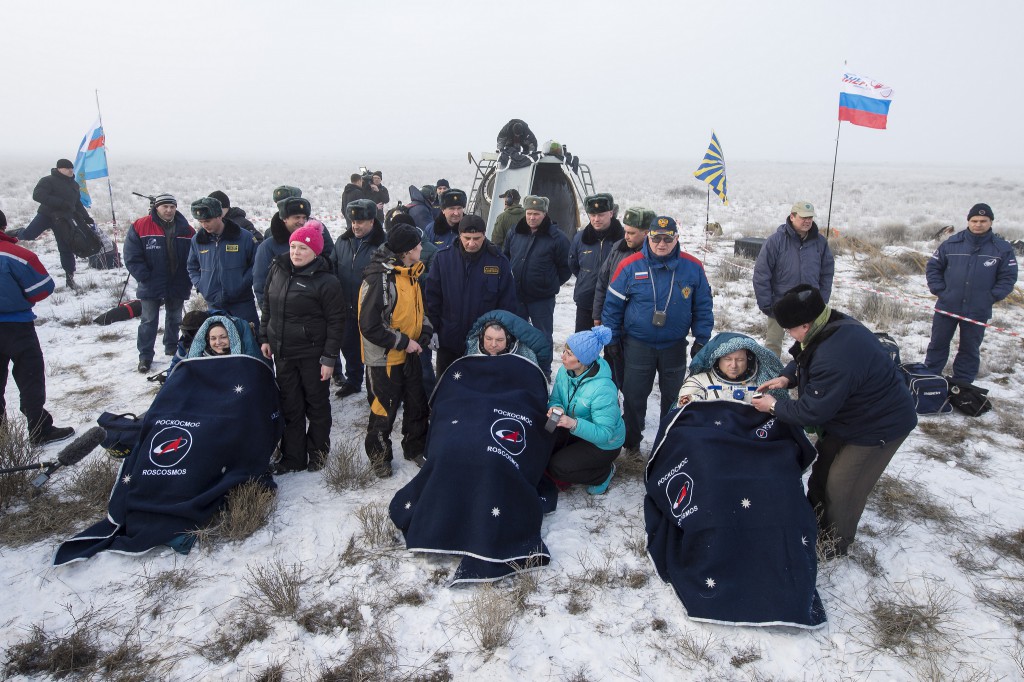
(655, 298)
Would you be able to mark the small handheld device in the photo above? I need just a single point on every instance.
(756, 394)
(552, 422)
(658, 319)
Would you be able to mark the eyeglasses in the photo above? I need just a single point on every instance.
(662, 238)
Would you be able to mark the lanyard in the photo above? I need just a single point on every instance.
(671, 286)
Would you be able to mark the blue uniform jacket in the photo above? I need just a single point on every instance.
(350, 257)
(630, 302)
(970, 272)
(221, 267)
(589, 250)
(459, 290)
(849, 385)
(23, 281)
(148, 261)
(540, 260)
(786, 260)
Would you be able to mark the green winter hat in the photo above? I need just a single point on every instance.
(639, 217)
(206, 208)
(286, 191)
(599, 203)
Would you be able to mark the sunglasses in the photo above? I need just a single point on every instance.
(662, 238)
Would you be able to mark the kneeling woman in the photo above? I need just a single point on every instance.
(590, 431)
(301, 330)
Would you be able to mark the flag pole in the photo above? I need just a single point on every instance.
(828, 224)
(707, 212)
(110, 190)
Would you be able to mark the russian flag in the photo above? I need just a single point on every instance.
(91, 162)
(864, 102)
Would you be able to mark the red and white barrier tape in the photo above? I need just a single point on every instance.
(904, 298)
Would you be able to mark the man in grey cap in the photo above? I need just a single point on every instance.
(513, 213)
(156, 253)
(796, 254)
(220, 262)
(539, 254)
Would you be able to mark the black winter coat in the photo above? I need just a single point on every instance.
(237, 216)
(349, 258)
(301, 314)
(60, 196)
(540, 260)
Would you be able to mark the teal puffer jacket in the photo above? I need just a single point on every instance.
(593, 401)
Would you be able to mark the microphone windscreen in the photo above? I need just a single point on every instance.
(76, 450)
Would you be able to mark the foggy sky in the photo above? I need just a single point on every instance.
(627, 79)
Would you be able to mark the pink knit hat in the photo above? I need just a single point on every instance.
(311, 234)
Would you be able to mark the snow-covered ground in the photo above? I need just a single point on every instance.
(598, 612)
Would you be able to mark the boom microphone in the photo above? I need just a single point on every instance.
(72, 454)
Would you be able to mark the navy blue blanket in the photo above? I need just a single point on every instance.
(477, 495)
(212, 426)
(728, 524)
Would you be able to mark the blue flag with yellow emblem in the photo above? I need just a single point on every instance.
(712, 169)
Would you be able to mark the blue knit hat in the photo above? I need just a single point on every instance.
(586, 345)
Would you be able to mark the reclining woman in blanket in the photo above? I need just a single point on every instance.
(728, 524)
(730, 367)
(477, 494)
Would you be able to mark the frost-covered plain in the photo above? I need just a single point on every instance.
(952, 555)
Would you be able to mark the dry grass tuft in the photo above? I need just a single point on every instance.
(490, 618)
(240, 630)
(1009, 604)
(373, 657)
(881, 312)
(730, 272)
(748, 654)
(49, 514)
(375, 522)
(901, 500)
(884, 269)
(324, 618)
(247, 508)
(686, 191)
(347, 469)
(15, 451)
(275, 587)
(912, 628)
(43, 653)
(272, 673)
(1008, 544)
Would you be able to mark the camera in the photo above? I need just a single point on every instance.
(658, 319)
(552, 422)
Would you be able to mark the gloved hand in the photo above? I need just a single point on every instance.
(613, 351)
(695, 348)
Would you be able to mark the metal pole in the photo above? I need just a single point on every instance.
(707, 212)
(110, 190)
(828, 224)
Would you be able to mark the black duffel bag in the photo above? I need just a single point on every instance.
(79, 235)
(969, 399)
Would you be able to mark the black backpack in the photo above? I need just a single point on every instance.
(890, 346)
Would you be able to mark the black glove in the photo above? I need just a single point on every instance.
(613, 351)
(695, 348)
